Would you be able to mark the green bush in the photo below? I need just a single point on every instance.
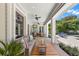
(62, 45)
(13, 48)
(72, 51)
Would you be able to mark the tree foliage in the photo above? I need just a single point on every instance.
(49, 28)
(67, 23)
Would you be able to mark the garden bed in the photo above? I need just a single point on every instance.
(72, 51)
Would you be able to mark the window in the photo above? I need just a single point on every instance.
(19, 25)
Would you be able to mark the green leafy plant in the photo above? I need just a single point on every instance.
(72, 51)
(11, 49)
(67, 23)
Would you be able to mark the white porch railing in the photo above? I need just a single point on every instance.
(69, 40)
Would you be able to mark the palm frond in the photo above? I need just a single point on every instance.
(11, 49)
(15, 47)
(3, 44)
(2, 51)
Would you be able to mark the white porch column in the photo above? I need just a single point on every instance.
(9, 22)
(45, 30)
(38, 29)
(13, 21)
(53, 30)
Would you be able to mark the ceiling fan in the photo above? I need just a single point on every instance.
(37, 18)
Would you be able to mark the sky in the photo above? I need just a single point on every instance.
(72, 11)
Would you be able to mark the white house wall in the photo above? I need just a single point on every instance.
(2, 22)
(27, 20)
(24, 13)
(11, 21)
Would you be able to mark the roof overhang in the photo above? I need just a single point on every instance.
(55, 9)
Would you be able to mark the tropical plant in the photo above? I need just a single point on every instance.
(49, 28)
(67, 23)
(11, 49)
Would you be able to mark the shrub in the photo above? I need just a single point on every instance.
(11, 49)
(72, 51)
(62, 45)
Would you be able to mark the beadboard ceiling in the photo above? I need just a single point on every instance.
(41, 9)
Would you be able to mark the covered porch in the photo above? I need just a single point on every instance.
(28, 23)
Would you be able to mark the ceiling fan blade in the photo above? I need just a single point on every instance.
(39, 17)
(36, 15)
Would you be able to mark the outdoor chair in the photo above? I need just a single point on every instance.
(26, 53)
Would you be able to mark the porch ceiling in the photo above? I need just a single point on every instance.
(41, 9)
